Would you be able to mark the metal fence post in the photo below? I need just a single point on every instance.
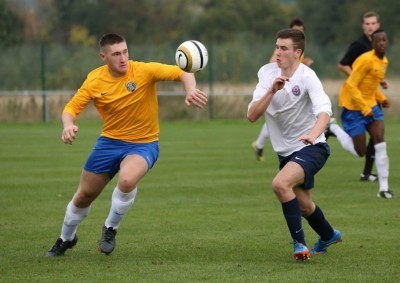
(210, 82)
(43, 83)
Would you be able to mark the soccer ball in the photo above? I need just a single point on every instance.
(191, 56)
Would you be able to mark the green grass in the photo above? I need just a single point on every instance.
(205, 212)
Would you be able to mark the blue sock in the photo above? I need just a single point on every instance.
(291, 211)
(320, 225)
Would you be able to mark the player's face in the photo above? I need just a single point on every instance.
(116, 57)
(380, 43)
(370, 25)
(286, 55)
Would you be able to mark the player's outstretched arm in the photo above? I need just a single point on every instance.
(193, 95)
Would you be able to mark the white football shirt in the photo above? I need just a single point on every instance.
(294, 109)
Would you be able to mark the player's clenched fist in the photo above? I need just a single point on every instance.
(69, 133)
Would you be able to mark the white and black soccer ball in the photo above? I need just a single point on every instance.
(191, 56)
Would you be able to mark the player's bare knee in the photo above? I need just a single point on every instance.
(306, 210)
(278, 186)
(83, 199)
(126, 185)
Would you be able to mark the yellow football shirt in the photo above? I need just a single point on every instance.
(361, 90)
(128, 105)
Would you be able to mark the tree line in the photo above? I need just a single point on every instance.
(82, 22)
(54, 43)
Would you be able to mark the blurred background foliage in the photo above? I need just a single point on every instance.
(239, 35)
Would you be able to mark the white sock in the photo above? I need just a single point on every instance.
(120, 204)
(382, 165)
(344, 139)
(262, 137)
(73, 216)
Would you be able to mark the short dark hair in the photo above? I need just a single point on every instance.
(297, 36)
(379, 30)
(296, 22)
(110, 39)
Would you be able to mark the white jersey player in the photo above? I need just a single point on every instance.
(297, 112)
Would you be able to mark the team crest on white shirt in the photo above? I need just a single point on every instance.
(131, 86)
(296, 90)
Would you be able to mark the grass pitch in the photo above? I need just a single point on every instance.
(205, 212)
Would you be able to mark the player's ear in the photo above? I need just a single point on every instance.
(102, 56)
(298, 53)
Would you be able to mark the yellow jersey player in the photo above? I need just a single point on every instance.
(124, 93)
(370, 23)
(361, 99)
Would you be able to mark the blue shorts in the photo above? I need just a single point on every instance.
(108, 154)
(311, 158)
(355, 123)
